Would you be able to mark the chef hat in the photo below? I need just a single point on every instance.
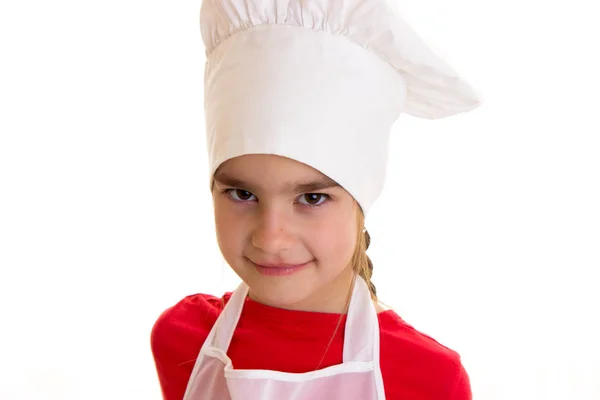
(320, 82)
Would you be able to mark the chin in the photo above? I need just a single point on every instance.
(280, 291)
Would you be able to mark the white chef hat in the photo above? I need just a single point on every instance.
(320, 82)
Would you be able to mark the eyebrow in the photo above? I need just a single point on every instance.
(293, 188)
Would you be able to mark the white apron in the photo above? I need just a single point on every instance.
(357, 378)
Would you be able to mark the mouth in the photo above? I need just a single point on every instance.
(279, 270)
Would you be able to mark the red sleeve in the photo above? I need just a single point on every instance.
(462, 389)
(170, 378)
(176, 339)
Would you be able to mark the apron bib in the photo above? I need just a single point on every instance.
(358, 377)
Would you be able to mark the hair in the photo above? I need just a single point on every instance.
(361, 263)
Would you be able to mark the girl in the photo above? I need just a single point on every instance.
(300, 97)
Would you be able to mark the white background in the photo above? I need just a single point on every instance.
(487, 236)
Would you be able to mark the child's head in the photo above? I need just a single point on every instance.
(260, 218)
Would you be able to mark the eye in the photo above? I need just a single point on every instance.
(314, 199)
(310, 199)
(239, 194)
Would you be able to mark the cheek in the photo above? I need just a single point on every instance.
(335, 239)
(229, 229)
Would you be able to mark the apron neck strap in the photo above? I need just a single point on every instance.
(362, 325)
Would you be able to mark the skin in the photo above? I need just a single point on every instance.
(259, 219)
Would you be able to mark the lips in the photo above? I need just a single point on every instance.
(279, 268)
(279, 265)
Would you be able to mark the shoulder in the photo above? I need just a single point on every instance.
(189, 317)
(177, 336)
(198, 305)
(418, 365)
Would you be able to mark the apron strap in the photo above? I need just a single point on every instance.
(361, 337)
(222, 333)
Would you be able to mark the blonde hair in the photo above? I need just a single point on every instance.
(361, 263)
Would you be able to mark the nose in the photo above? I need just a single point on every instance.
(272, 234)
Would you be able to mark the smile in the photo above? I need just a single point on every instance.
(279, 270)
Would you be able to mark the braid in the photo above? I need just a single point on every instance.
(360, 260)
(369, 269)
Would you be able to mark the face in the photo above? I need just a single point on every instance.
(287, 230)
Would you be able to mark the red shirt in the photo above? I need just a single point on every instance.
(414, 366)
